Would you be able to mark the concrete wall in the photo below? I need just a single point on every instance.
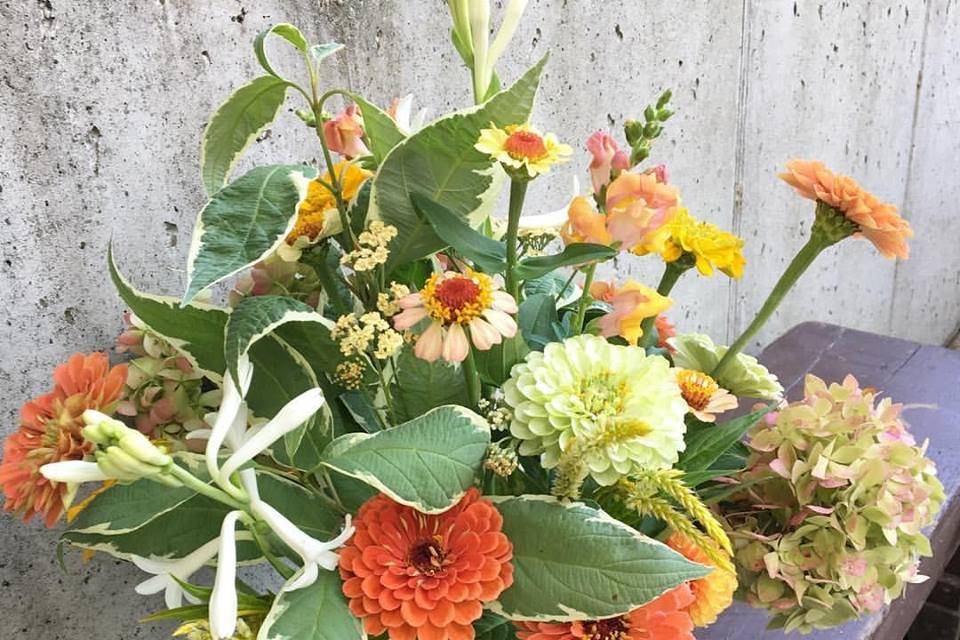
(101, 105)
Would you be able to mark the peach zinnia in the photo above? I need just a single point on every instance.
(663, 619)
(425, 577)
(50, 431)
(456, 303)
(703, 395)
(877, 221)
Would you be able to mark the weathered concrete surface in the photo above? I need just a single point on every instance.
(101, 105)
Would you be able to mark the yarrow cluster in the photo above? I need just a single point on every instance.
(435, 414)
(839, 494)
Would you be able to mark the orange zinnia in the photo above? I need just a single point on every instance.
(663, 619)
(878, 221)
(50, 431)
(425, 577)
(712, 593)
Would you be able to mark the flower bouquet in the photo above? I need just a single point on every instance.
(434, 423)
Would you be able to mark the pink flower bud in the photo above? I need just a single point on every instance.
(344, 133)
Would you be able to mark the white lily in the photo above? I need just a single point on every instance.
(223, 600)
(314, 553)
(232, 408)
(402, 112)
(73, 472)
(166, 570)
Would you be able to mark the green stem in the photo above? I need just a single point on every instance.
(329, 284)
(795, 269)
(192, 482)
(267, 551)
(472, 377)
(671, 274)
(584, 298)
(518, 190)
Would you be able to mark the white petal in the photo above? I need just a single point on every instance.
(483, 334)
(73, 471)
(303, 578)
(92, 416)
(223, 599)
(153, 584)
(510, 21)
(229, 406)
(504, 302)
(173, 596)
(501, 322)
(291, 416)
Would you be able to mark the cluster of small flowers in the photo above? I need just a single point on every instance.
(501, 460)
(349, 374)
(499, 416)
(855, 491)
(358, 335)
(163, 392)
(371, 250)
(388, 303)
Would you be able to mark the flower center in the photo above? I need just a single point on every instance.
(427, 556)
(603, 394)
(457, 298)
(609, 629)
(697, 388)
(525, 145)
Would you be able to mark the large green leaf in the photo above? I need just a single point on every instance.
(258, 316)
(427, 463)
(244, 222)
(235, 124)
(492, 627)
(574, 254)
(317, 612)
(197, 329)
(574, 562)
(536, 317)
(486, 253)
(380, 129)
(494, 365)
(427, 385)
(440, 162)
(708, 442)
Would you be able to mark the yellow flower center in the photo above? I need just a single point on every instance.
(457, 298)
(609, 629)
(603, 394)
(525, 145)
(697, 388)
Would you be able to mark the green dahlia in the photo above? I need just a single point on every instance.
(745, 376)
(608, 409)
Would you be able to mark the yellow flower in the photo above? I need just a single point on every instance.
(522, 148)
(632, 303)
(714, 592)
(712, 247)
(318, 216)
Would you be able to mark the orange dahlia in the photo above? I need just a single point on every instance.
(878, 221)
(50, 431)
(425, 577)
(711, 594)
(662, 619)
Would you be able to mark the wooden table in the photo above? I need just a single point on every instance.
(910, 373)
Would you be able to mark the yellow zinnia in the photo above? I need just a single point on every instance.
(712, 593)
(711, 246)
(521, 148)
(318, 216)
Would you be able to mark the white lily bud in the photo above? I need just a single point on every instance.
(223, 598)
(73, 471)
(479, 15)
(508, 27)
(231, 410)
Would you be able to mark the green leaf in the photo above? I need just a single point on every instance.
(317, 612)
(440, 162)
(489, 255)
(286, 31)
(381, 131)
(320, 51)
(494, 365)
(556, 284)
(706, 444)
(235, 124)
(244, 222)
(536, 317)
(258, 316)
(574, 254)
(492, 627)
(197, 329)
(427, 385)
(574, 562)
(427, 463)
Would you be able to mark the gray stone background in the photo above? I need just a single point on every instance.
(102, 103)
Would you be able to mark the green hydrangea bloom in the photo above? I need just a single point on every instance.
(611, 409)
(745, 376)
(839, 493)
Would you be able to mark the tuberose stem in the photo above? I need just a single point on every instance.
(192, 482)
(518, 190)
(795, 269)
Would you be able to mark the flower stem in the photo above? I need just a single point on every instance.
(267, 551)
(472, 377)
(518, 190)
(192, 482)
(795, 269)
(584, 298)
(671, 274)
